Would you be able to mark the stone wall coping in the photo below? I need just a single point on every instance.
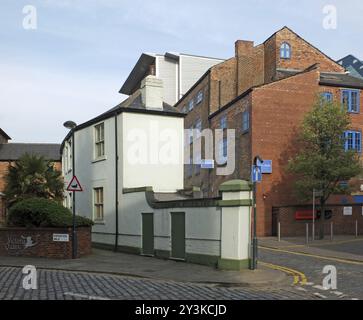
(235, 185)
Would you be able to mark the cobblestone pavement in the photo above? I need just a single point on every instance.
(75, 285)
(349, 273)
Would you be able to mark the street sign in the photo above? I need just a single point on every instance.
(266, 166)
(74, 185)
(256, 174)
(207, 164)
(61, 237)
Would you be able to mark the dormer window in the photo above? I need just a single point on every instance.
(285, 51)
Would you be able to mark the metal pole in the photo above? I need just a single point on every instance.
(279, 231)
(331, 231)
(307, 233)
(254, 240)
(74, 233)
(356, 228)
(313, 227)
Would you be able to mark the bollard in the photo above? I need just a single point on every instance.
(356, 228)
(279, 231)
(307, 234)
(331, 231)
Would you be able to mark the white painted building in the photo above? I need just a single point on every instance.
(178, 72)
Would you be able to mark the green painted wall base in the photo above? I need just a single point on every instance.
(230, 264)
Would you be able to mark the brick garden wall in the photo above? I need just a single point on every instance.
(342, 225)
(39, 242)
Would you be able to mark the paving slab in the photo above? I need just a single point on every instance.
(103, 261)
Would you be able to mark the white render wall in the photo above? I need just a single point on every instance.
(147, 132)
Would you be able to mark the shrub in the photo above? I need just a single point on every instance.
(39, 212)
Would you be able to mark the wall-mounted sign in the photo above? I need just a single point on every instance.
(256, 174)
(348, 211)
(61, 237)
(266, 166)
(207, 164)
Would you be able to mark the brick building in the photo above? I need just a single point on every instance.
(263, 92)
(10, 152)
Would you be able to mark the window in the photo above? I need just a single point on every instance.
(199, 97)
(100, 140)
(245, 121)
(190, 135)
(184, 109)
(191, 105)
(353, 141)
(198, 128)
(223, 151)
(350, 100)
(98, 204)
(197, 162)
(285, 51)
(223, 122)
(327, 96)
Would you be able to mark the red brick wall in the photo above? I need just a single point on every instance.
(342, 225)
(13, 242)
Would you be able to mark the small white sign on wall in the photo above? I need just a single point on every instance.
(348, 211)
(60, 237)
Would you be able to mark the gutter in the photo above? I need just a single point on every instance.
(116, 183)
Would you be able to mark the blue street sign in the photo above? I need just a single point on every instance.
(266, 166)
(207, 164)
(256, 174)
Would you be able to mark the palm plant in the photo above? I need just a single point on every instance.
(33, 176)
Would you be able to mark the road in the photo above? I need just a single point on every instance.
(59, 285)
(349, 273)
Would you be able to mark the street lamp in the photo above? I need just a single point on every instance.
(254, 239)
(71, 125)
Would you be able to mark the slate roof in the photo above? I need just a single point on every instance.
(13, 151)
(354, 65)
(331, 78)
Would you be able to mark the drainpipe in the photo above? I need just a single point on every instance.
(116, 183)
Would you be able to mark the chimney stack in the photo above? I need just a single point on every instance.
(152, 93)
(243, 48)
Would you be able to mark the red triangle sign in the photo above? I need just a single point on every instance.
(74, 185)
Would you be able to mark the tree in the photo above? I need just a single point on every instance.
(323, 160)
(33, 176)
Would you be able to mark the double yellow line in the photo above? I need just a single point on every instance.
(299, 277)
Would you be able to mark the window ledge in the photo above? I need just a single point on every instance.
(103, 158)
(99, 222)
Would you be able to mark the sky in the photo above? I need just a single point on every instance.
(72, 65)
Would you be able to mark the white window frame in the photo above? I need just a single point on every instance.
(98, 204)
(99, 141)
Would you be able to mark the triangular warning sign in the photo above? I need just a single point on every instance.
(74, 185)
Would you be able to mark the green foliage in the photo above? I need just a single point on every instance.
(39, 212)
(33, 176)
(322, 163)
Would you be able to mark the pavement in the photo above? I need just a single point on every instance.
(341, 247)
(108, 262)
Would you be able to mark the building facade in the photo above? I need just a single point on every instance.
(10, 152)
(178, 72)
(263, 94)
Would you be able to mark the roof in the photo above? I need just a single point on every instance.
(136, 106)
(354, 65)
(142, 67)
(331, 78)
(4, 134)
(137, 73)
(13, 151)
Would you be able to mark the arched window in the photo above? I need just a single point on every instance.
(285, 51)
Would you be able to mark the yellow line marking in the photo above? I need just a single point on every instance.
(299, 277)
(315, 256)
